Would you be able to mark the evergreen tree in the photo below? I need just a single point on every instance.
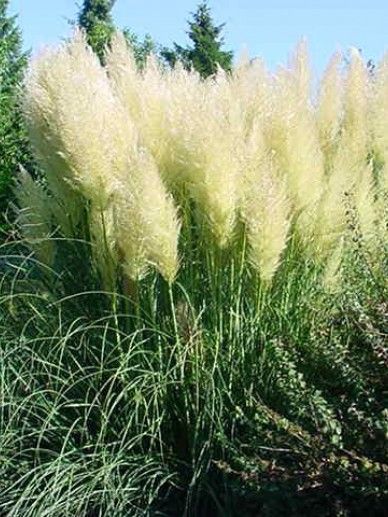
(96, 19)
(206, 53)
(141, 49)
(13, 140)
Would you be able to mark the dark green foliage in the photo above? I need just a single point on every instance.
(13, 141)
(96, 19)
(206, 53)
(141, 48)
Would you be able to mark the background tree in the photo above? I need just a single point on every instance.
(141, 48)
(206, 53)
(13, 140)
(96, 19)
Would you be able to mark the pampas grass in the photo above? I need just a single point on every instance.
(71, 107)
(246, 152)
(193, 299)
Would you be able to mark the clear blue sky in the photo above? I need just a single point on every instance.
(267, 28)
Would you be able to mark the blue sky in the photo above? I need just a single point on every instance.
(267, 28)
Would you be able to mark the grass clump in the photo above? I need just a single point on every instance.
(193, 311)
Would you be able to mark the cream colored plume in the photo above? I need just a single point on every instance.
(250, 91)
(96, 149)
(118, 143)
(145, 97)
(214, 177)
(70, 106)
(204, 128)
(294, 139)
(330, 108)
(146, 220)
(124, 76)
(379, 120)
(42, 125)
(331, 220)
(356, 130)
(186, 125)
(265, 209)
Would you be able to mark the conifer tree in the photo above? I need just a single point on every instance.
(141, 48)
(96, 19)
(13, 140)
(206, 52)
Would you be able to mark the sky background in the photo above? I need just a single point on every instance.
(266, 28)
